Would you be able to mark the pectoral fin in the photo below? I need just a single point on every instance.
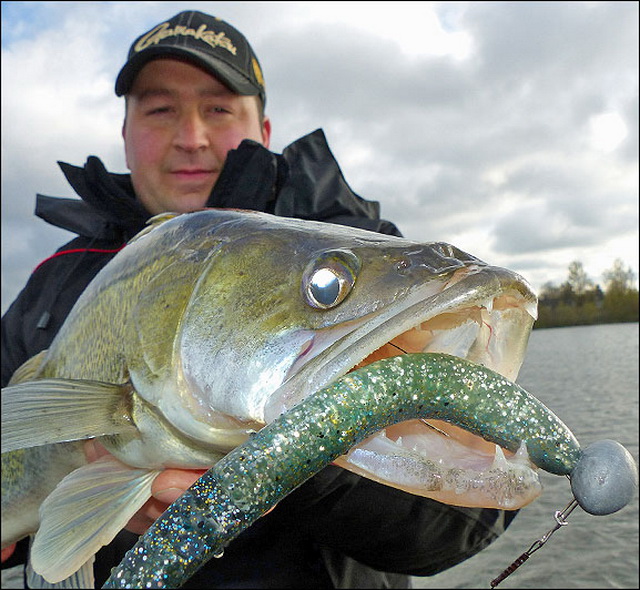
(86, 511)
(49, 411)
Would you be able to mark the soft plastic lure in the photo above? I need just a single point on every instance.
(252, 478)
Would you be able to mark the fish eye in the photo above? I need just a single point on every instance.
(324, 287)
(330, 278)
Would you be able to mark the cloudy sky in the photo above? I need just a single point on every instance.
(509, 129)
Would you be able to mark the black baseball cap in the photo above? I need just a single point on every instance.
(204, 40)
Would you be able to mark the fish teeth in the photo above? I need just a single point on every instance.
(500, 461)
(522, 455)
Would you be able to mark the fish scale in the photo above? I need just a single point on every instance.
(250, 480)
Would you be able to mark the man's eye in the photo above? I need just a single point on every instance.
(159, 111)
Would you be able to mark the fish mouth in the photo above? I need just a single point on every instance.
(481, 314)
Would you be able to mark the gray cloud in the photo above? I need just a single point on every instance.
(492, 151)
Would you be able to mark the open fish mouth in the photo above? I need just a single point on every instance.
(482, 314)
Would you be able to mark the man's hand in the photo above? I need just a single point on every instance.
(7, 552)
(166, 488)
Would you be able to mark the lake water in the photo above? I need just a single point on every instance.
(588, 375)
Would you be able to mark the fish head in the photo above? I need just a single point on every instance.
(285, 307)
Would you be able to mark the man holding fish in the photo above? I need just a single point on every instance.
(194, 90)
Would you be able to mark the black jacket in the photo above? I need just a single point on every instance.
(338, 529)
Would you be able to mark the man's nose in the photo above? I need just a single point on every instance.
(192, 133)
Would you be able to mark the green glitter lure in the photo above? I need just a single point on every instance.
(252, 478)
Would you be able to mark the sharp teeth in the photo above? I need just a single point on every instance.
(399, 441)
(522, 455)
(500, 461)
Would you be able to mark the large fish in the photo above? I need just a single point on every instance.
(209, 325)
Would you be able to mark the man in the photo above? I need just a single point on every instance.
(194, 93)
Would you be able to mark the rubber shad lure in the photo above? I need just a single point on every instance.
(256, 475)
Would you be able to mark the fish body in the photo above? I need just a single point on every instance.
(211, 324)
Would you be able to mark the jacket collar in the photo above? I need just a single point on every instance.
(305, 181)
(108, 209)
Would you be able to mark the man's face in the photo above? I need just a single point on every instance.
(180, 124)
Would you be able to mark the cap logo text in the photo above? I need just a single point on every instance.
(154, 36)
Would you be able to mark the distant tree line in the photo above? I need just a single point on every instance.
(579, 301)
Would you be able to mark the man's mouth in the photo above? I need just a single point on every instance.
(193, 173)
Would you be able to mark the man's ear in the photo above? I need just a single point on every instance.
(266, 132)
(124, 126)
(124, 138)
(124, 132)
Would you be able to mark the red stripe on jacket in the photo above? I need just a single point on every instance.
(77, 251)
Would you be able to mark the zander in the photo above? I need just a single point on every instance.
(209, 325)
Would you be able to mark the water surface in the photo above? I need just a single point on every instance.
(588, 375)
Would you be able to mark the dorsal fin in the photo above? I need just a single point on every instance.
(152, 223)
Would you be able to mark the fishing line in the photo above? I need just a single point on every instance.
(421, 419)
(561, 520)
(400, 349)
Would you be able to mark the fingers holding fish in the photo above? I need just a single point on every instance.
(93, 450)
(7, 552)
(172, 483)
